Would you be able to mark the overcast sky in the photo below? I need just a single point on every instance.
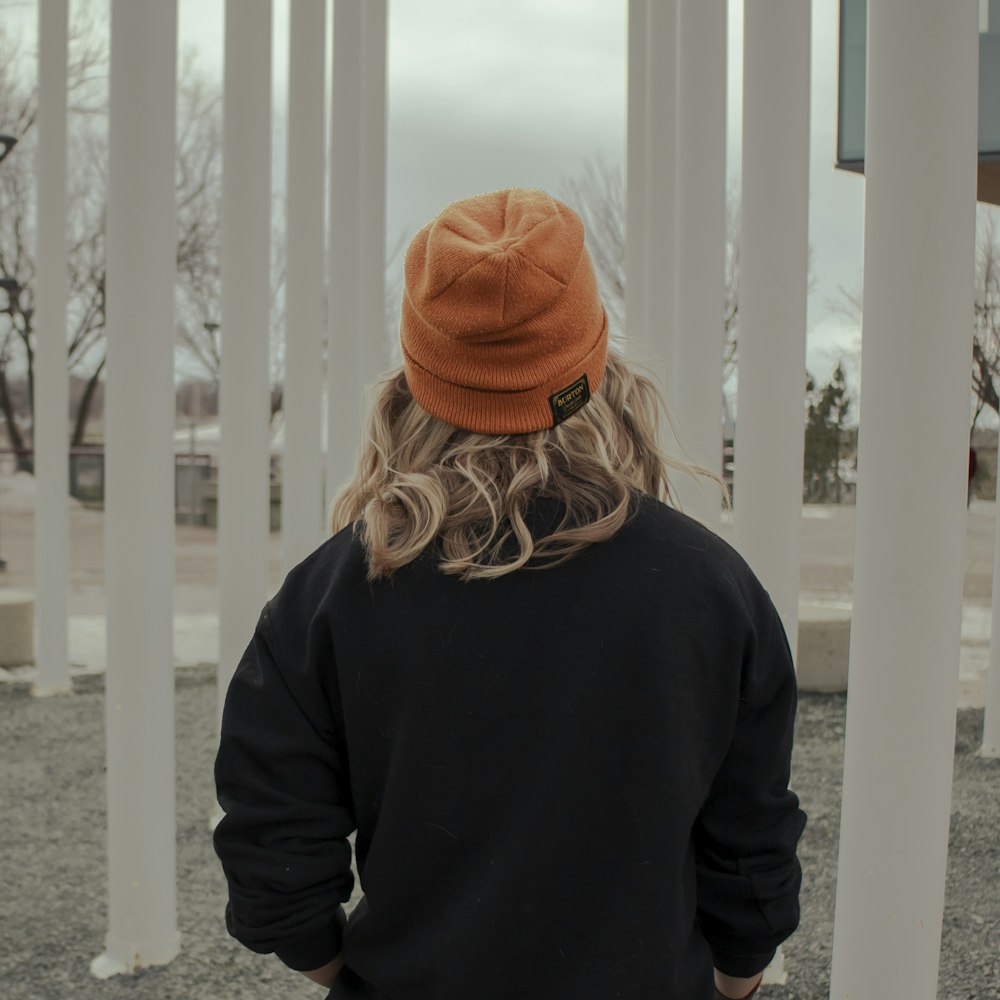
(486, 94)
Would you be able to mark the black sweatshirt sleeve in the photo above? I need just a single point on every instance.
(746, 834)
(282, 785)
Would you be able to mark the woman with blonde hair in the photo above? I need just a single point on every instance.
(556, 712)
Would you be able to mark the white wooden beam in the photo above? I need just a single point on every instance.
(244, 392)
(696, 369)
(139, 489)
(50, 432)
(774, 251)
(909, 558)
(302, 527)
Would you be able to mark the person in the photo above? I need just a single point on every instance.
(555, 712)
(973, 464)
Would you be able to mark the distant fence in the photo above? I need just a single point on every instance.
(193, 474)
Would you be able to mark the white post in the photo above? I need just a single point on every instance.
(909, 550)
(637, 337)
(651, 166)
(244, 398)
(302, 527)
(139, 489)
(356, 341)
(371, 237)
(51, 381)
(991, 718)
(696, 370)
(660, 223)
(768, 448)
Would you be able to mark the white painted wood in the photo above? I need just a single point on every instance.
(50, 432)
(650, 203)
(372, 149)
(660, 228)
(139, 489)
(302, 527)
(696, 374)
(912, 479)
(356, 344)
(773, 286)
(244, 403)
(636, 342)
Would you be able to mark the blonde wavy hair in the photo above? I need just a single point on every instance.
(419, 479)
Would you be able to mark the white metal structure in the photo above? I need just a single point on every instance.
(699, 278)
(774, 230)
(356, 343)
(139, 489)
(51, 384)
(920, 200)
(244, 396)
(302, 521)
(908, 565)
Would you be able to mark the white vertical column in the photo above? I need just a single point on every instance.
(660, 227)
(371, 236)
(651, 166)
(139, 488)
(912, 473)
(302, 473)
(773, 284)
(244, 399)
(51, 381)
(637, 336)
(991, 719)
(357, 349)
(696, 375)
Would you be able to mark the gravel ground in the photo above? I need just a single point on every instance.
(54, 867)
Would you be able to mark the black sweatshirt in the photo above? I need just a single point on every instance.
(566, 783)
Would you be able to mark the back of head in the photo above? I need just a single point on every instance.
(508, 393)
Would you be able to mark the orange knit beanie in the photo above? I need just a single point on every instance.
(502, 327)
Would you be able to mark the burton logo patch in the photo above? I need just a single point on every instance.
(567, 401)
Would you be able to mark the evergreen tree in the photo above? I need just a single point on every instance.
(826, 411)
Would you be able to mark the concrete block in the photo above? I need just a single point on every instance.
(17, 627)
(822, 655)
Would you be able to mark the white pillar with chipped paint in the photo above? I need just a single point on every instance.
(774, 230)
(357, 347)
(244, 396)
(699, 339)
(909, 548)
(50, 430)
(139, 489)
(302, 521)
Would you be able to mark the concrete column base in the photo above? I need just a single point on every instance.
(823, 654)
(17, 627)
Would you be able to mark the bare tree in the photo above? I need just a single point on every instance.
(86, 70)
(598, 194)
(199, 229)
(985, 387)
(986, 329)
(199, 217)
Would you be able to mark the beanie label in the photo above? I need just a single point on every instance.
(567, 401)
